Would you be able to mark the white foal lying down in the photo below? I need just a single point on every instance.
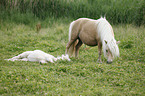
(38, 56)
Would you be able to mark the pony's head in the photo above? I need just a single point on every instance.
(110, 49)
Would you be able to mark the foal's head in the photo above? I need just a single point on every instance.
(111, 50)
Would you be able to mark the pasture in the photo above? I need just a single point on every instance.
(83, 76)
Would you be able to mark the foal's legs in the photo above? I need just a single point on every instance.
(23, 59)
(42, 61)
(77, 48)
(100, 52)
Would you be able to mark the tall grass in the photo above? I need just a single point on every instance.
(116, 11)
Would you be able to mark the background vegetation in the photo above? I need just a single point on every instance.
(83, 76)
(116, 11)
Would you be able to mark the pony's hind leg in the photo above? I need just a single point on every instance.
(22, 55)
(77, 47)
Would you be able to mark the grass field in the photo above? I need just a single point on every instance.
(83, 76)
(80, 77)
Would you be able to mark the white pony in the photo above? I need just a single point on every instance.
(38, 56)
(92, 33)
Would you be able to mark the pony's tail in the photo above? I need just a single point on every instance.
(72, 47)
(70, 29)
(71, 51)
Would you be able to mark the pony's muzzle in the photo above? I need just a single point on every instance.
(109, 62)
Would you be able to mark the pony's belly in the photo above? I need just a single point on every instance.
(90, 42)
(88, 37)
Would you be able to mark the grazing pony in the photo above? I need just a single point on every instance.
(92, 33)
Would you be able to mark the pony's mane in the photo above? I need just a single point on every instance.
(105, 32)
(104, 29)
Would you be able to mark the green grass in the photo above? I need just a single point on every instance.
(83, 76)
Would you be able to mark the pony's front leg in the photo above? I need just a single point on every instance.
(100, 52)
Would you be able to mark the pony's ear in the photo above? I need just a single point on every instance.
(105, 41)
(117, 42)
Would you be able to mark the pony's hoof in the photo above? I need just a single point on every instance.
(77, 57)
(99, 61)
